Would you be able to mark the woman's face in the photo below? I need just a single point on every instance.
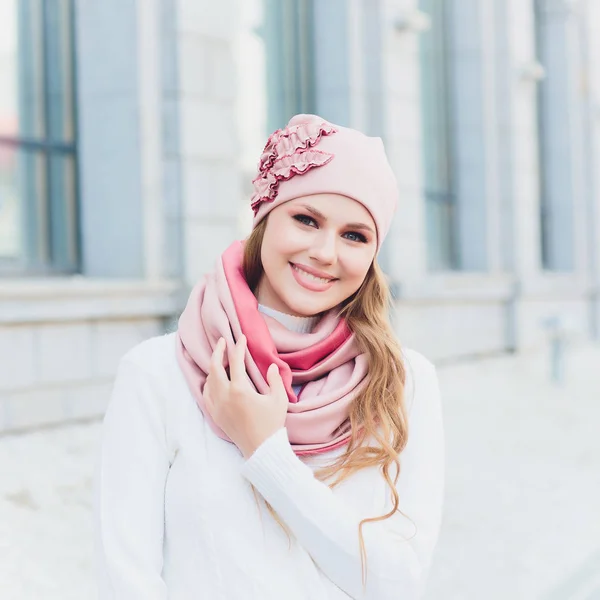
(316, 252)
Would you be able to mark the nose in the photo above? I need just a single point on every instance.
(324, 248)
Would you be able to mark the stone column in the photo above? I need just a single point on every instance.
(206, 147)
(405, 246)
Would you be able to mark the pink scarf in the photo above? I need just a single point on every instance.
(326, 362)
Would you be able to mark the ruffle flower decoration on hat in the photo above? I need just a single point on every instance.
(288, 152)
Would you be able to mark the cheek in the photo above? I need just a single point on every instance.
(283, 239)
(267, 253)
(356, 267)
(274, 252)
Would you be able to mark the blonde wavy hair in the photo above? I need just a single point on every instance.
(379, 412)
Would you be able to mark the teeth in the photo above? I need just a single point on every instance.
(310, 276)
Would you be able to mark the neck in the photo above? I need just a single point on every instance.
(291, 322)
(268, 299)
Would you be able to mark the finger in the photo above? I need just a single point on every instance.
(237, 354)
(275, 381)
(206, 395)
(217, 370)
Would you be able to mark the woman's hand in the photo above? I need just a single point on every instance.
(247, 417)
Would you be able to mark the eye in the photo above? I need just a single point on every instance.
(305, 220)
(354, 236)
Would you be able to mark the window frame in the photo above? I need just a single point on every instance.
(51, 237)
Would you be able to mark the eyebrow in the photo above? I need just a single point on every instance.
(320, 215)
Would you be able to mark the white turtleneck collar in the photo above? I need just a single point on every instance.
(297, 324)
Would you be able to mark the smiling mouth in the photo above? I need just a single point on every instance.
(312, 277)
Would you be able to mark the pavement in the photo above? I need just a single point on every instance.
(521, 516)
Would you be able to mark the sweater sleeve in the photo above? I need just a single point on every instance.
(129, 490)
(398, 549)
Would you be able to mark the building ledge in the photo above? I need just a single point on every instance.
(558, 286)
(490, 287)
(456, 287)
(79, 298)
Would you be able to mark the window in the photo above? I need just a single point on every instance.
(560, 142)
(276, 76)
(439, 185)
(288, 32)
(38, 189)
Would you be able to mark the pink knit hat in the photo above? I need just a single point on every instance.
(312, 156)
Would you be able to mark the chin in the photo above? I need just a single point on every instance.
(308, 309)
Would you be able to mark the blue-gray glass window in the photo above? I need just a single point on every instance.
(558, 111)
(439, 186)
(288, 29)
(38, 212)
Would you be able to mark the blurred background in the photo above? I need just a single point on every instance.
(129, 135)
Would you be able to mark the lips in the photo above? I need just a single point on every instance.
(314, 272)
(312, 279)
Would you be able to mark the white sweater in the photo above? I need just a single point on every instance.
(176, 517)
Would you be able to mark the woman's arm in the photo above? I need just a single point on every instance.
(326, 523)
(129, 490)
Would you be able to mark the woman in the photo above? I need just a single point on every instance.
(279, 444)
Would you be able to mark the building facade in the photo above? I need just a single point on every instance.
(129, 133)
